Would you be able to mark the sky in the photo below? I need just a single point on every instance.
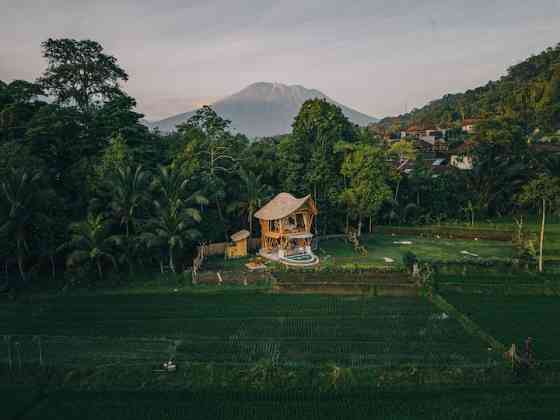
(381, 57)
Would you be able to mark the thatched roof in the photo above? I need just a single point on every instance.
(282, 205)
(239, 236)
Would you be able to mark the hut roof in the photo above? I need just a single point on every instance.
(239, 236)
(281, 206)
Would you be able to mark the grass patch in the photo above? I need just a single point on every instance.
(337, 252)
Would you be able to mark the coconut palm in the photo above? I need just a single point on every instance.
(24, 198)
(129, 190)
(173, 221)
(91, 242)
(252, 195)
(129, 195)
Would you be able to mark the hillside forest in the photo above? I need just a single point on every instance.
(88, 192)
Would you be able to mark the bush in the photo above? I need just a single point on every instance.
(409, 259)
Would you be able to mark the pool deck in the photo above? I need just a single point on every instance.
(273, 256)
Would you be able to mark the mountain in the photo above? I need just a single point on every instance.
(529, 91)
(264, 109)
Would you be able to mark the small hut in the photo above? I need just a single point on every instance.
(238, 247)
(286, 224)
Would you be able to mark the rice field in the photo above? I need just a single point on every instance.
(298, 330)
(522, 403)
(511, 319)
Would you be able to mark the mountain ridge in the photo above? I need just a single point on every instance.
(263, 109)
(529, 91)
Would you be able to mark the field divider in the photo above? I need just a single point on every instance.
(468, 324)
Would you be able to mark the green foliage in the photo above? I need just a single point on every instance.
(367, 190)
(96, 157)
(23, 205)
(309, 159)
(79, 73)
(403, 149)
(530, 92)
(253, 193)
(171, 226)
(409, 259)
(91, 244)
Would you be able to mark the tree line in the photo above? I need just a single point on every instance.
(528, 93)
(87, 191)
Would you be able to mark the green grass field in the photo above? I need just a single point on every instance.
(338, 252)
(521, 403)
(235, 328)
(425, 244)
(532, 224)
(511, 319)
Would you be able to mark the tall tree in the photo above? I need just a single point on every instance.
(129, 193)
(91, 243)
(317, 128)
(253, 193)
(80, 74)
(500, 162)
(173, 223)
(210, 154)
(367, 190)
(26, 199)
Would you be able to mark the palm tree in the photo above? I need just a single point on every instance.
(24, 197)
(91, 242)
(172, 228)
(172, 225)
(129, 188)
(253, 194)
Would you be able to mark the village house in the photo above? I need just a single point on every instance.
(427, 139)
(469, 125)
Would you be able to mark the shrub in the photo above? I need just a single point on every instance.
(409, 259)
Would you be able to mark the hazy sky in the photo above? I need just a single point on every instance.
(374, 55)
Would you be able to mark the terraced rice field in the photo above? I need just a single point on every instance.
(521, 403)
(234, 328)
(511, 319)
(501, 282)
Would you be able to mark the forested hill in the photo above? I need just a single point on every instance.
(530, 92)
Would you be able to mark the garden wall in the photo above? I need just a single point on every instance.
(219, 248)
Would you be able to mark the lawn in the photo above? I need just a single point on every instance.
(426, 245)
(235, 328)
(337, 252)
(522, 403)
(552, 231)
(511, 319)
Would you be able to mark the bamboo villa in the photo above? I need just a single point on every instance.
(286, 223)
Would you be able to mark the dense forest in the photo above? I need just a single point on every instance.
(529, 92)
(88, 192)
